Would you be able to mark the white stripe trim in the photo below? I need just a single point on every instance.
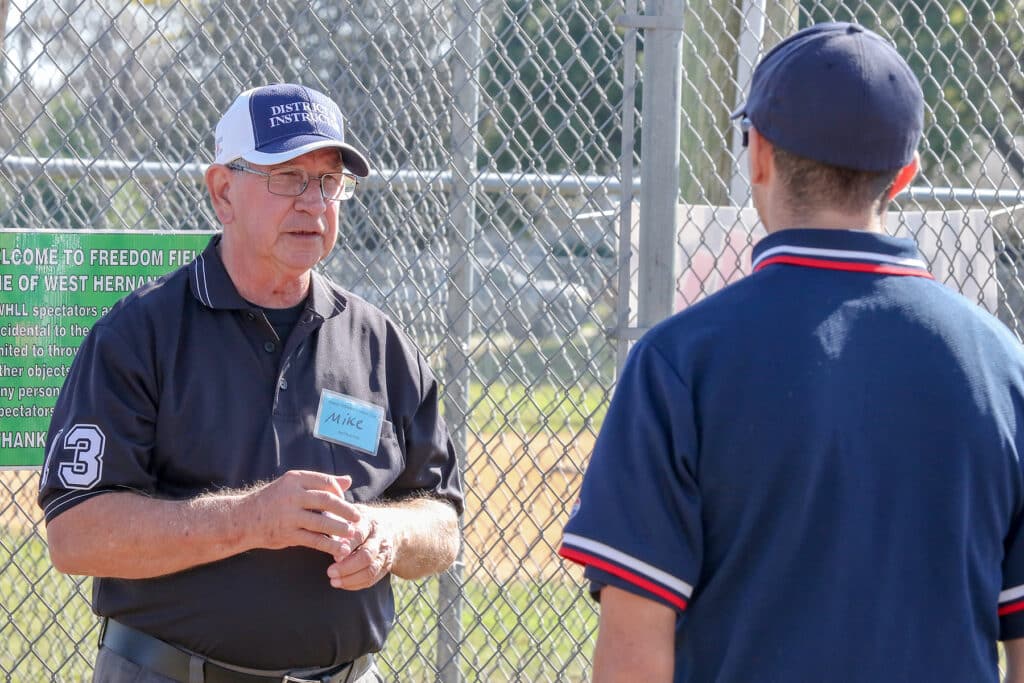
(842, 253)
(639, 566)
(195, 271)
(323, 286)
(338, 300)
(68, 493)
(1011, 594)
(54, 506)
(206, 290)
(206, 284)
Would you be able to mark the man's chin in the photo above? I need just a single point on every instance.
(302, 260)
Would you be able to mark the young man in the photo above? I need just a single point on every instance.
(244, 453)
(814, 474)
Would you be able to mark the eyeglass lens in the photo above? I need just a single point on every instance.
(292, 183)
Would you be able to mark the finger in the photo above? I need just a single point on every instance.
(354, 575)
(324, 544)
(355, 582)
(338, 484)
(321, 481)
(351, 542)
(357, 561)
(324, 501)
(326, 523)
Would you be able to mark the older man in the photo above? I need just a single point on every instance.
(243, 452)
(815, 474)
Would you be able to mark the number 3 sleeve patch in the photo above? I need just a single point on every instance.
(102, 424)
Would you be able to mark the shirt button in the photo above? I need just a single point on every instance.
(270, 347)
(250, 315)
(283, 384)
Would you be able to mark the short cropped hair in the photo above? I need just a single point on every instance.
(812, 185)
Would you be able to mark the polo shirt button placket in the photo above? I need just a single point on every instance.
(269, 347)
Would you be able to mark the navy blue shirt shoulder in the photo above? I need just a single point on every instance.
(818, 468)
(185, 388)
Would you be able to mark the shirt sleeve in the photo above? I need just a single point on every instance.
(1011, 598)
(431, 465)
(1011, 595)
(101, 431)
(638, 521)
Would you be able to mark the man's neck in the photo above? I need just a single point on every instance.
(265, 286)
(868, 221)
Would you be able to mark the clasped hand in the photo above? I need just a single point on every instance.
(303, 508)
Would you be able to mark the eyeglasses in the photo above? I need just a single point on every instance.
(292, 182)
(745, 129)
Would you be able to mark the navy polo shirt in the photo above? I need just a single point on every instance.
(185, 388)
(819, 468)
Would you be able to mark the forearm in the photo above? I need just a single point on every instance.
(130, 536)
(635, 641)
(1014, 650)
(425, 533)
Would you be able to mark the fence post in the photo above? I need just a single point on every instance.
(465, 62)
(659, 154)
(751, 36)
(624, 299)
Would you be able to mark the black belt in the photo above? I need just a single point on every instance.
(167, 660)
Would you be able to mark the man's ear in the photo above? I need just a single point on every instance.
(762, 158)
(903, 178)
(218, 183)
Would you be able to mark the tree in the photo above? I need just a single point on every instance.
(61, 202)
(713, 30)
(968, 59)
(553, 77)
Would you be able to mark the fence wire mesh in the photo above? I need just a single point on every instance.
(490, 229)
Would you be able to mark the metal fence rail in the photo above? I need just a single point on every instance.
(509, 225)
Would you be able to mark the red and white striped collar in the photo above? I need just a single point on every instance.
(847, 250)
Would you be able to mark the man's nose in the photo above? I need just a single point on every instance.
(312, 198)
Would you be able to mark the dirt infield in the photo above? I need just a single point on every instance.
(518, 495)
(519, 492)
(18, 511)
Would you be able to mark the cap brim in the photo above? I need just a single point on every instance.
(352, 158)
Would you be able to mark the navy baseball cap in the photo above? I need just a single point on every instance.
(838, 94)
(276, 123)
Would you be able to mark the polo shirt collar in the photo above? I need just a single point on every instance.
(213, 287)
(325, 299)
(848, 250)
(211, 283)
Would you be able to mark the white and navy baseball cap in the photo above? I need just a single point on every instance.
(276, 123)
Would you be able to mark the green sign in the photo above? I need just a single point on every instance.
(53, 286)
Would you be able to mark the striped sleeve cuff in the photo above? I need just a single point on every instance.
(68, 500)
(1011, 600)
(626, 567)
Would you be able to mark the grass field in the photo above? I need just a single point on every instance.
(512, 630)
(48, 626)
(532, 410)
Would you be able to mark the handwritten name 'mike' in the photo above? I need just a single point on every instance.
(345, 419)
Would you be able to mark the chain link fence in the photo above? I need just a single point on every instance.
(500, 228)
